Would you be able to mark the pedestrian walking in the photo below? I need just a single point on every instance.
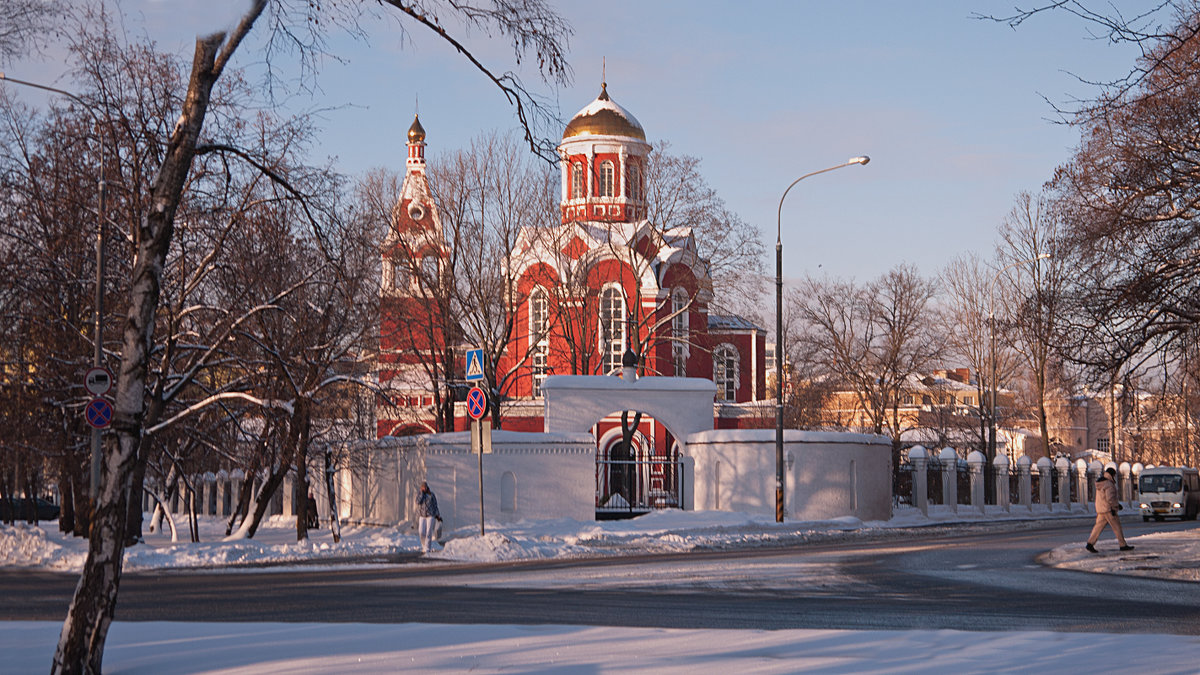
(427, 514)
(1107, 506)
(313, 521)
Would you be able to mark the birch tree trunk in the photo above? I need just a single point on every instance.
(81, 643)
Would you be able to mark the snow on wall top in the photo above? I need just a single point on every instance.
(564, 382)
(789, 435)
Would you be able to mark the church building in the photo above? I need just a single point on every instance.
(605, 288)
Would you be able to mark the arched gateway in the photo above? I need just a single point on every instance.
(625, 481)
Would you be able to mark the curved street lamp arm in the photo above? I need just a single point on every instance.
(863, 159)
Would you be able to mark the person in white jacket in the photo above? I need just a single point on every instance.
(1107, 506)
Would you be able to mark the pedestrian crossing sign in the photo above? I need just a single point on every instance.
(474, 365)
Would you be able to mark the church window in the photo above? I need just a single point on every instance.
(576, 180)
(679, 331)
(606, 178)
(429, 270)
(539, 337)
(725, 372)
(633, 182)
(612, 328)
(401, 279)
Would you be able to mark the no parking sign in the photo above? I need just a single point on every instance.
(476, 403)
(99, 413)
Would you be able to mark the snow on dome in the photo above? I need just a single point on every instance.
(603, 117)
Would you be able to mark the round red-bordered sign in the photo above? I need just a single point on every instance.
(98, 381)
(476, 403)
(98, 413)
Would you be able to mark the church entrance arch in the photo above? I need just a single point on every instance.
(630, 478)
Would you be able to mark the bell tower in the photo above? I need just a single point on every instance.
(603, 153)
(414, 244)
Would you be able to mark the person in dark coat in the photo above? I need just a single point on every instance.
(427, 514)
(313, 521)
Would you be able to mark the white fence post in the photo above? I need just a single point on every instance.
(1063, 467)
(1003, 486)
(1025, 481)
(1045, 482)
(1126, 492)
(1081, 481)
(975, 465)
(918, 457)
(949, 478)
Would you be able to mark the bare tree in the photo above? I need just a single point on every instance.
(487, 195)
(678, 197)
(43, 303)
(872, 339)
(530, 25)
(25, 25)
(1129, 195)
(970, 332)
(1032, 283)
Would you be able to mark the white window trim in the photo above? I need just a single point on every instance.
(608, 179)
(679, 330)
(721, 349)
(606, 345)
(540, 347)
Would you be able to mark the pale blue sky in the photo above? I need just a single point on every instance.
(948, 107)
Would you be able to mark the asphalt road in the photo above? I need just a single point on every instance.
(982, 578)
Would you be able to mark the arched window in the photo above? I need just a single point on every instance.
(607, 173)
(725, 372)
(577, 180)
(612, 328)
(539, 337)
(430, 271)
(679, 331)
(633, 182)
(401, 278)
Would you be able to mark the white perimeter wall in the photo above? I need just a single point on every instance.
(533, 476)
(832, 474)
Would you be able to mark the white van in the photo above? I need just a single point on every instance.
(1169, 492)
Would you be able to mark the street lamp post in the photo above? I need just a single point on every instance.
(98, 324)
(779, 351)
(991, 444)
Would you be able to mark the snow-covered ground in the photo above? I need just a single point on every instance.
(317, 648)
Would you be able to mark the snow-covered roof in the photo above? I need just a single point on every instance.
(719, 322)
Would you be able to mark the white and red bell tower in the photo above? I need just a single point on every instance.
(413, 256)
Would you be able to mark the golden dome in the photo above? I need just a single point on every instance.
(603, 117)
(416, 133)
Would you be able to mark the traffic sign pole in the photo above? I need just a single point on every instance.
(98, 382)
(479, 425)
(476, 408)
